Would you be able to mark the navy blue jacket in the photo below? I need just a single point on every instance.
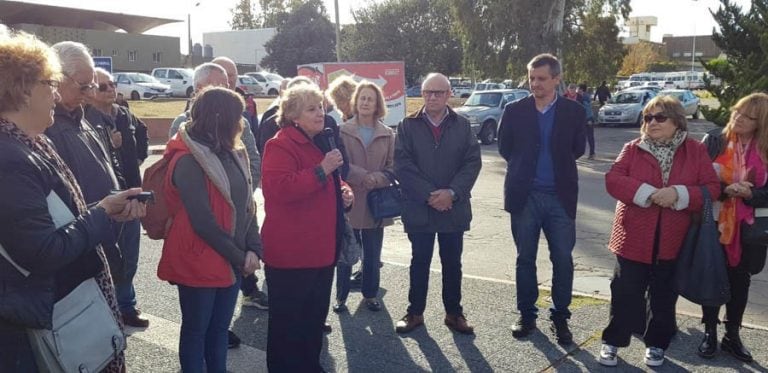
(519, 143)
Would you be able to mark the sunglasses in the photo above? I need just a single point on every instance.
(438, 94)
(103, 86)
(660, 118)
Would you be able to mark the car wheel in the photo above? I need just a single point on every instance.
(465, 95)
(135, 96)
(488, 132)
(272, 92)
(696, 113)
(190, 90)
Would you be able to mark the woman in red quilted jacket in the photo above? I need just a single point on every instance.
(656, 180)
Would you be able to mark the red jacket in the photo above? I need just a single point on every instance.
(634, 227)
(187, 259)
(299, 229)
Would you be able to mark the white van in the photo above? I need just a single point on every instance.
(180, 80)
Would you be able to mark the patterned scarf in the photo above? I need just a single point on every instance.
(664, 151)
(739, 162)
(43, 148)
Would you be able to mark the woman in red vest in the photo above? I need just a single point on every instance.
(303, 196)
(214, 236)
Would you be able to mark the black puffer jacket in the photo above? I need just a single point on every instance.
(58, 259)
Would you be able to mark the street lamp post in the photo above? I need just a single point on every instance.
(338, 31)
(189, 33)
(693, 48)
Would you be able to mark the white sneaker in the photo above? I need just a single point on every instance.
(654, 356)
(608, 355)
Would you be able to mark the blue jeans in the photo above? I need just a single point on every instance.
(129, 247)
(371, 240)
(543, 211)
(422, 247)
(205, 317)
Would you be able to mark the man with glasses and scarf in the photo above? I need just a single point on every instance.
(437, 160)
(127, 138)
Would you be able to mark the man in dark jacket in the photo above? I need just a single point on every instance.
(437, 159)
(128, 141)
(602, 93)
(541, 137)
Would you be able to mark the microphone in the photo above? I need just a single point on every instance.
(328, 132)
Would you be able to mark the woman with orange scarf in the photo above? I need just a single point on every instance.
(739, 154)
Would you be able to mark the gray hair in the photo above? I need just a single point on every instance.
(74, 56)
(298, 80)
(202, 72)
(101, 70)
(435, 76)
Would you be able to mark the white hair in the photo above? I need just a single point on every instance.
(101, 70)
(436, 76)
(202, 72)
(73, 55)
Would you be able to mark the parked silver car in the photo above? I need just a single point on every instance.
(138, 86)
(249, 85)
(483, 110)
(625, 107)
(687, 98)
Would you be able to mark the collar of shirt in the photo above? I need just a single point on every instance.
(549, 106)
(429, 119)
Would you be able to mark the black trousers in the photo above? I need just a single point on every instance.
(739, 277)
(298, 307)
(642, 301)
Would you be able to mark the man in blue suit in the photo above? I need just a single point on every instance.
(541, 137)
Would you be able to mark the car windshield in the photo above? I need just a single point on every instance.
(271, 76)
(142, 78)
(483, 99)
(628, 98)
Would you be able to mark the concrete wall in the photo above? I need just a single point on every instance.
(245, 47)
(117, 45)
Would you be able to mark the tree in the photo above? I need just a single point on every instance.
(593, 52)
(499, 37)
(270, 12)
(242, 16)
(743, 38)
(639, 57)
(304, 35)
(418, 32)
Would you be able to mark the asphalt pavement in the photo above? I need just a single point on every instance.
(365, 341)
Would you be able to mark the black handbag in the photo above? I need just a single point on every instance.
(757, 233)
(701, 272)
(386, 202)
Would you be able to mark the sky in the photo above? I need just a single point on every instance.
(676, 17)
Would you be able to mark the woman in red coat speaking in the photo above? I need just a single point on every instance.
(656, 180)
(302, 197)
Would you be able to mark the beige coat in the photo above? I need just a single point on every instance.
(363, 161)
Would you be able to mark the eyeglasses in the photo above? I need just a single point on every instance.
(51, 83)
(660, 118)
(103, 86)
(737, 114)
(84, 87)
(437, 94)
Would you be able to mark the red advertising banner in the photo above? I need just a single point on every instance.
(389, 76)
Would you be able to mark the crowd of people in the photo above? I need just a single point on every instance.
(317, 155)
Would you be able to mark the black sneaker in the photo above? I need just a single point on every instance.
(563, 334)
(523, 327)
(233, 341)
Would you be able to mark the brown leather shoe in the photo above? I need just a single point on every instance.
(408, 323)
(459, 323)
(135, 321)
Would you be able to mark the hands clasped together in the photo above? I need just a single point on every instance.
(664, 197)
(441, 200)
(741, 189)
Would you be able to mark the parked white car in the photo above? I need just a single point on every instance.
(180, 80)
(249, 85)
(687, 98)
(269, 82)
(138, 86)
(625, 107)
